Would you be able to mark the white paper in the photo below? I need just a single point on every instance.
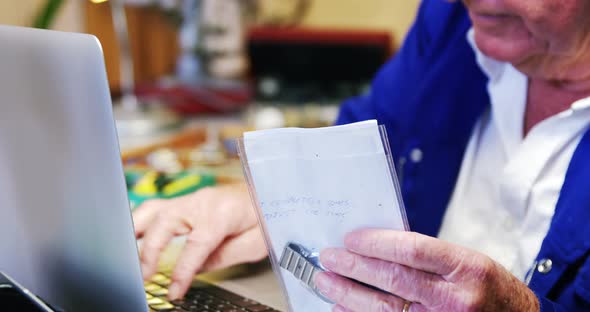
(315, 185)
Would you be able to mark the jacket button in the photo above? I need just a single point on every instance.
(416, 155)
(545, 266)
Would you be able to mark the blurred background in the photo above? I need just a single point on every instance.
(188, 77)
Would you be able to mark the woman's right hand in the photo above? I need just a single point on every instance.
(219, 223)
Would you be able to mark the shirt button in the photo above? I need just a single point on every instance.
(545, 266)
(416, 155)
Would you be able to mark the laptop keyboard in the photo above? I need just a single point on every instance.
(202, 297)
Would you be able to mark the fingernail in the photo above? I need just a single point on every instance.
(339, 308)
(145, 273)
(322, 282)
(174, 291)
(328, 258)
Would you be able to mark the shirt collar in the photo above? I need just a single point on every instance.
(581, 104)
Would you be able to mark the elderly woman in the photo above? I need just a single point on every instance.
(487, 106)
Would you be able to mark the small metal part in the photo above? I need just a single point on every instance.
(303, 264)
(416, 155)
(545, 266)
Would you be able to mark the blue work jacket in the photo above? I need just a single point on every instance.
(429, 97)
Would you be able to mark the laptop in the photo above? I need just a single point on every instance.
(66, 230)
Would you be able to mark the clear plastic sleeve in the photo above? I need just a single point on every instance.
(308, 225)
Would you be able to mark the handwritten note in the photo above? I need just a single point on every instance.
(315, 185)
(305, 206)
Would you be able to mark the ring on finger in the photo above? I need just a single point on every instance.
(187, 226)
(407, 306)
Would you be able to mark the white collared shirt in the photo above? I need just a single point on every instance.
(508, 185)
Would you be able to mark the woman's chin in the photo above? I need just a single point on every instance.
(501, 48)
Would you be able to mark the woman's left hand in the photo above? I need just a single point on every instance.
(417, 273)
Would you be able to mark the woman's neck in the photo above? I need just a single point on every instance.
(548, 98)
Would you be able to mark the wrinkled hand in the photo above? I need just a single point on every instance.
(432, 274)
(219, 223)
